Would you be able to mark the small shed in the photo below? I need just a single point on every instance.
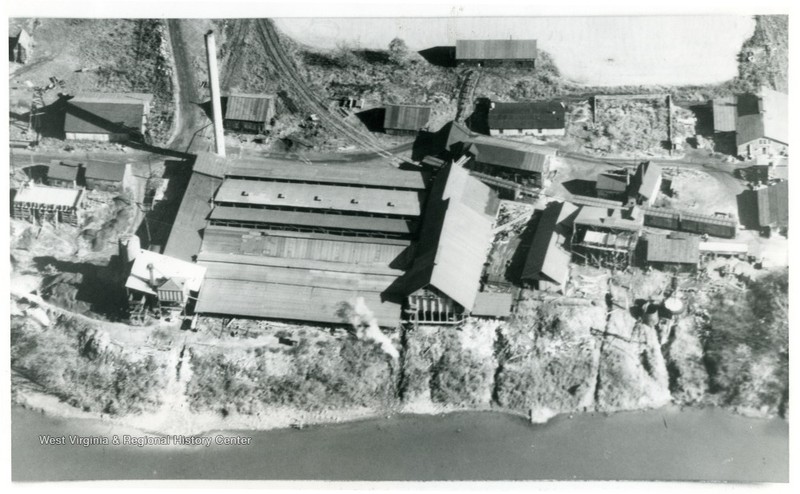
(109, 117)
(109, 177)
(493, 304)
(406, 119)
(773, 206)
(496, 51)
(613, 185)
(536, 118)
(62, 174)
(249, 112)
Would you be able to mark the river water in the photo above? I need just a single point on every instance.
(601, 50)
(666, 444)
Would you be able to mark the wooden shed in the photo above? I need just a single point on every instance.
(249, 112)
(406, 119)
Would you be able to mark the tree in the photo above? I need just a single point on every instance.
(398, 51)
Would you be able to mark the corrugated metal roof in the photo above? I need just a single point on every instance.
(724, 110)
(333, 173)
(673, 249)
(321, 197)
(95, 117)
(113, 172)
(496, 49)
(50, 196)
(307, 219)
(290, 302)
(185, 238)
(493, 304)
(62, 172)
(112, 98)
(304, 268)
(250, 108)
(598, 217)
(406, 117)
(773, 205)
(763, 116)
(510, 154)
(291, 245)
(527, 115)
(210, 164)
(613, 182)
(456, 236)
(547, 259)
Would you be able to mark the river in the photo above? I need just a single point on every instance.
(600, 50)
(665, 444)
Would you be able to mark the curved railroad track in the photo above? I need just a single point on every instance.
(287, 73)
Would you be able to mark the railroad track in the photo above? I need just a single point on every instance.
(287, 72)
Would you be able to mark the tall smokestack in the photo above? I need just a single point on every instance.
(213, 81)
(151, 269)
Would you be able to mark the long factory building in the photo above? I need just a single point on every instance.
(298, 241)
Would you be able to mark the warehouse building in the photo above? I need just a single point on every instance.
(547, 264)
(444, 282)
(760, 122)
(41, 203)
(676, 251)
(249, 112)
(532, 118)
(496, 52)
(406, 119)
(525, 164)
(111, 117)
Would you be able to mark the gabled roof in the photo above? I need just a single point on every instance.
(164, 269)
(105, 112)
(527, 115)
(495, 49)
(250, 107)
(762, 116)
(455, 237)
(614, 182)
(493, 304)
(210, 164)
(647, 179)
(499, 152)
(673, 248)
(724, 112)
(547, 259)
(599, 217)
(406, 117)
(114, 172)
(773, 205)
(58, 171)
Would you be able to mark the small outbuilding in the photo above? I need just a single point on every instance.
(19, 45)
(63, 174)
(494, 52)
(109, 177)
(406, 119)
(613, 185)
(773, 207)
(676, 251)
(249, 112)
(41, 203)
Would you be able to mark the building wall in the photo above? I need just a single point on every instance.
(104, 185)
(527, 132)
(80, 136)
(242, 125)
(522, 177)
(67, 184)
(762, 147)
(402, 132)
(45, 214)
(529, 63)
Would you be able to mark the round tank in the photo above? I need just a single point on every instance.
(674, 305)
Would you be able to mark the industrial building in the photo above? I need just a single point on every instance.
(406, 119)
(531, 118)
(773, 207)
(42, 203)
(158, 283)
(676, 251)
(111, 117)
(645, 184)
(525, 164)
(249, 112)
(760, 122)
(613, 185)
(547, 264)
(61, 174)
(109, 177)
(607, 237)
(298, 241)
(496, 52)
(444, 283)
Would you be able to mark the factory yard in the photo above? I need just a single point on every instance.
(380, 231)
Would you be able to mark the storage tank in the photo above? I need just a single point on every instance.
(129, 248)
(674, 306)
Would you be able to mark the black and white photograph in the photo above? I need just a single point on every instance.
(459, 244)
